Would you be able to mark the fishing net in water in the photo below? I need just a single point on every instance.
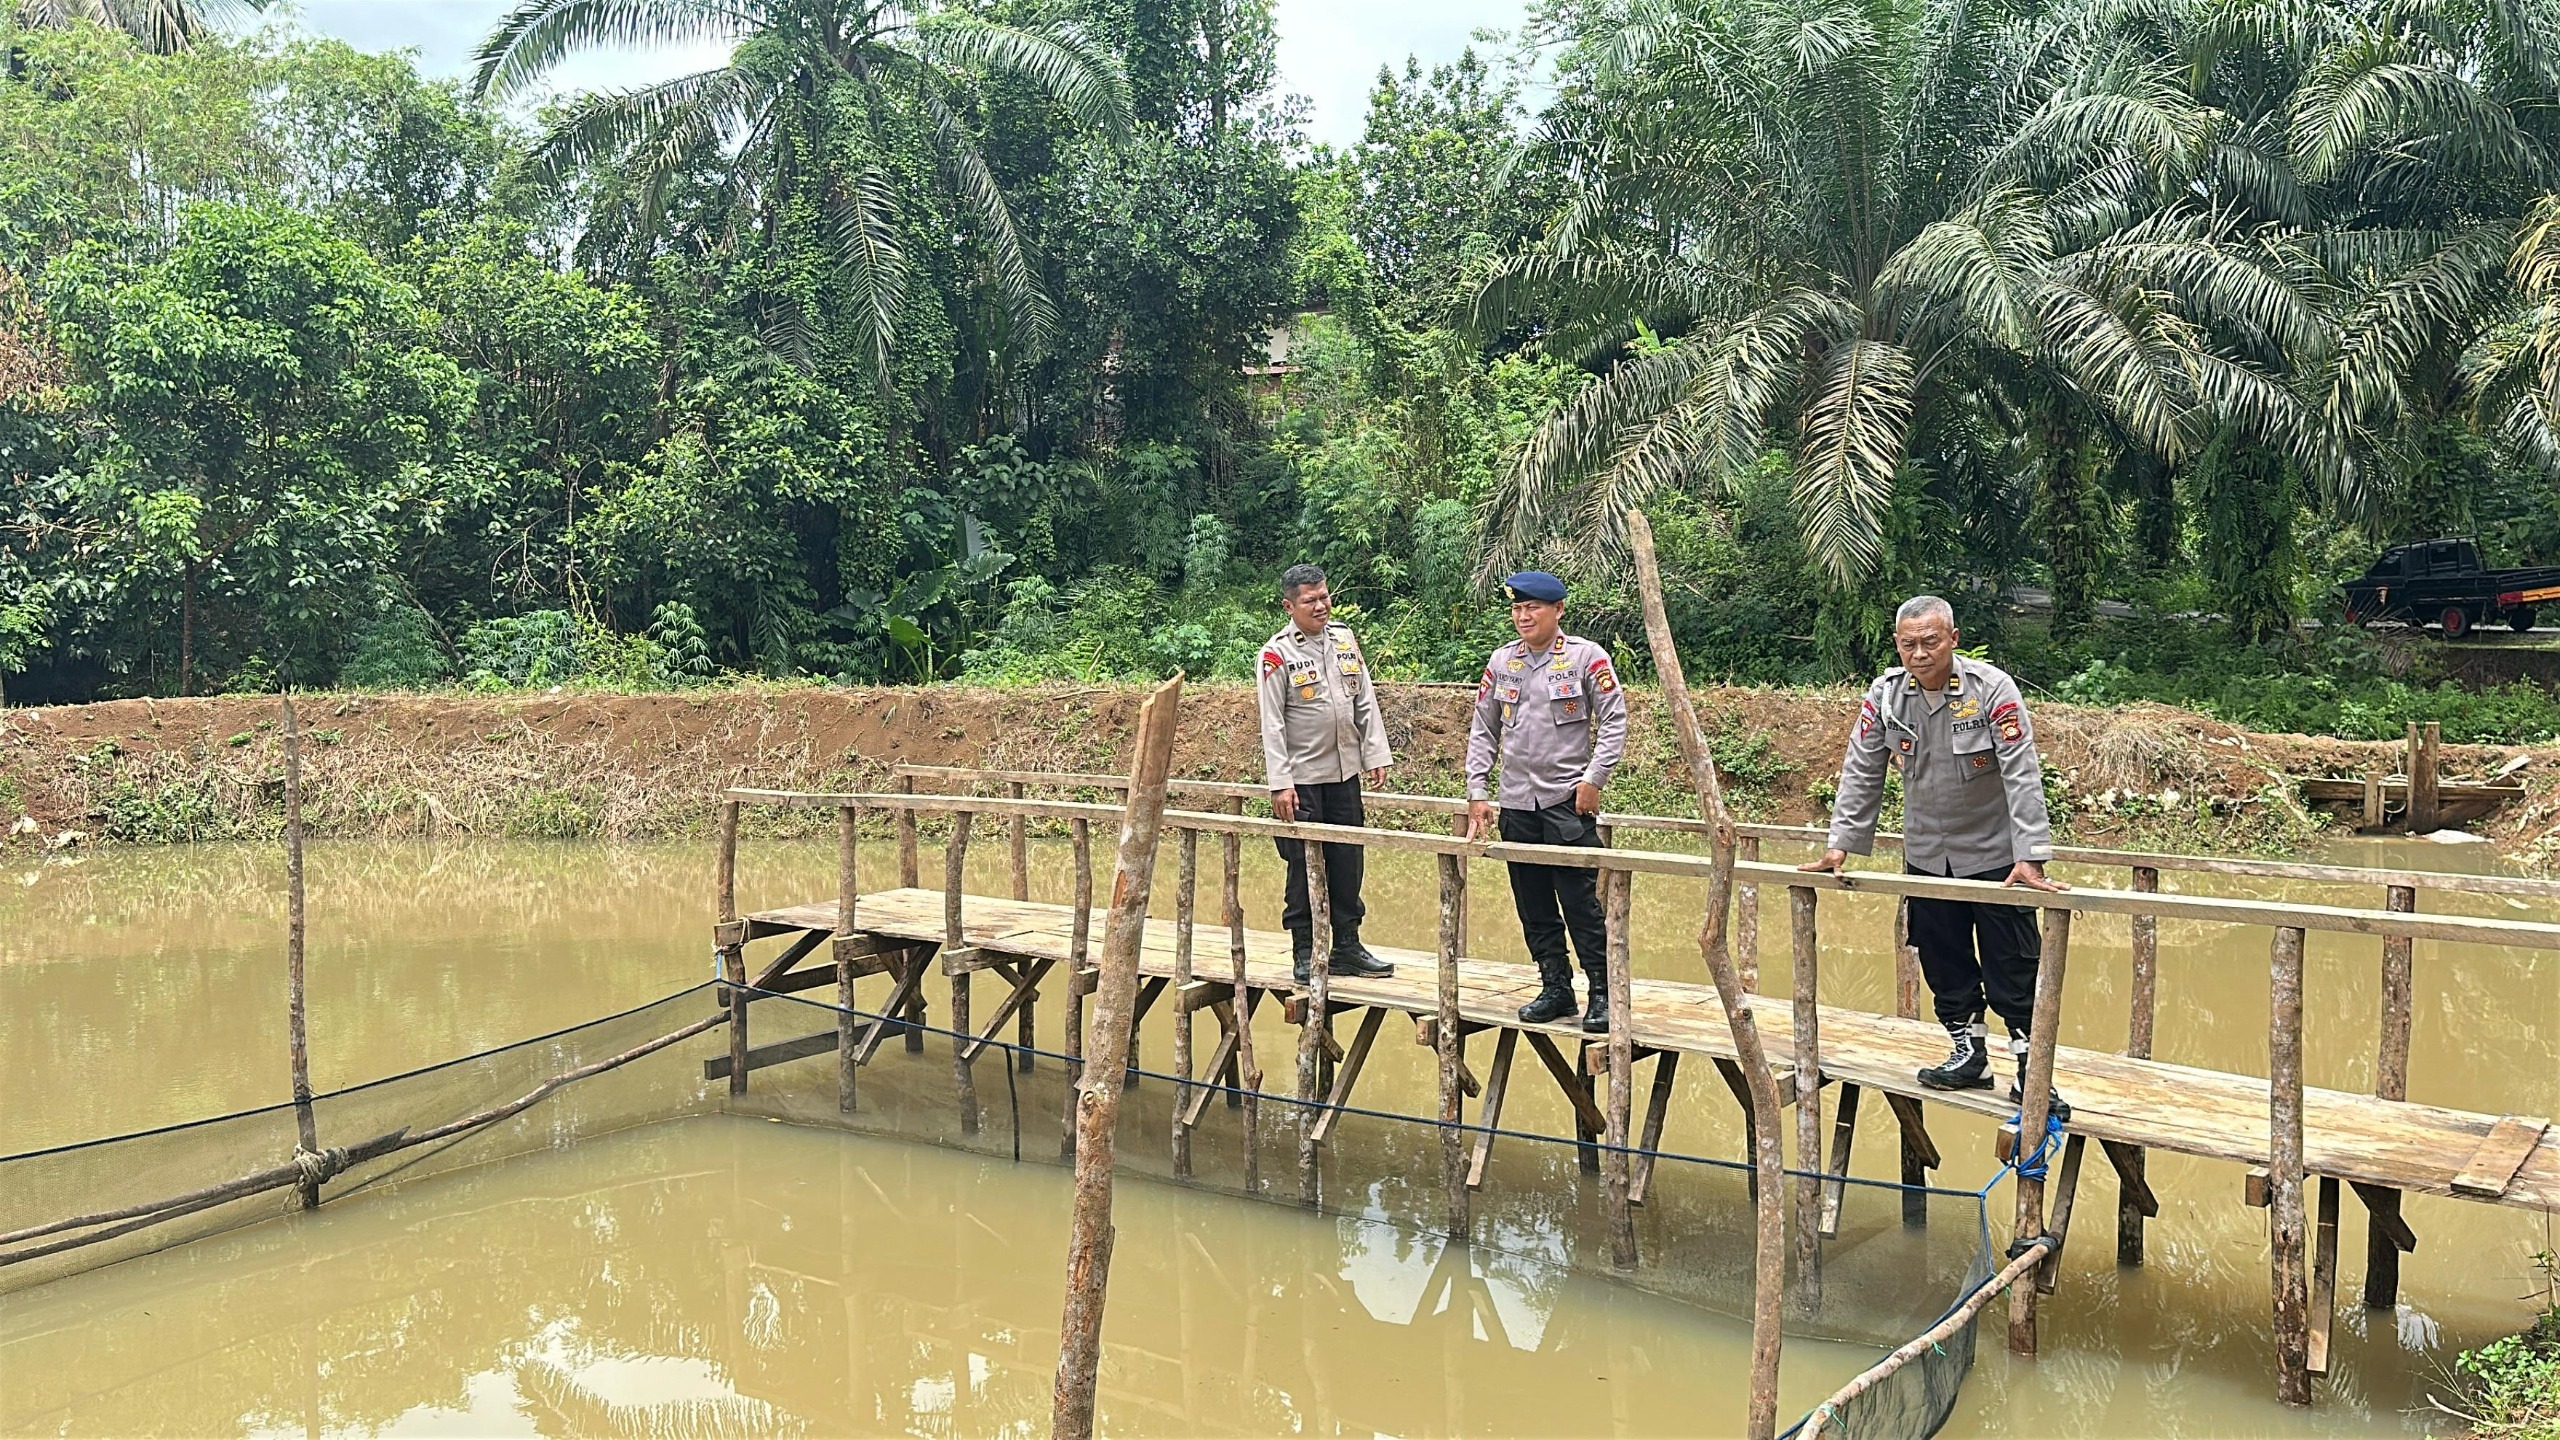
(1895, 1259)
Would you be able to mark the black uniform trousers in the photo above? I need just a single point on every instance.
(1971, 952)
(1553, 899)
(1336, 802)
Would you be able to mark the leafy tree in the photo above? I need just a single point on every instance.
(165, 26)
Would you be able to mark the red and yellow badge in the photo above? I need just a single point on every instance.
(1603, 679)
(1866, 718)
(1270, 661)
(1485, 686)
(2010, 721)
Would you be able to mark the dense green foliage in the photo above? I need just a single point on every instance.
(1026, 339)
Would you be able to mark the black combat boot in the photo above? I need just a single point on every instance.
(2055, 1105)
(1966, 1067)
(1302, 957)
(1595, 1016)
(1350, 957)
(1554, 1003)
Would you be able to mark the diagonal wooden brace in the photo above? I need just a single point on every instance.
(1349, 1072)
(1025, 988)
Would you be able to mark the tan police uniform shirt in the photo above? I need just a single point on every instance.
(1557, 717)
(1320, 721)
(1972, 786)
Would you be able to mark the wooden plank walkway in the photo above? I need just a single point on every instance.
(2351, 1137)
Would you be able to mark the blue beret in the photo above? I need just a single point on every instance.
(1534, 585)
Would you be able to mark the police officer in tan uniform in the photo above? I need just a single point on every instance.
(1320, 734)
(1973, 807)
(1550, 704)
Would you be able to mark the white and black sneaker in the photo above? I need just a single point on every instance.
(2055, 1105)
(1967, 1066)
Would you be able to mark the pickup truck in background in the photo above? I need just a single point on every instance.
(2442, 582)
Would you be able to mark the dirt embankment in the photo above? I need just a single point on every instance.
(627, 766)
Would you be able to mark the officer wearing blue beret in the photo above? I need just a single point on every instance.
(1550, 705)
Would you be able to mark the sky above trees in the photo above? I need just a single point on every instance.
(1329, 51)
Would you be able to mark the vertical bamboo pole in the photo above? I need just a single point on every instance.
(1447, 1041)
(1746, 918)
(2284, 1168)
(1618, 890)
(1097, 1116)
(1079, 937)
(1025, 1032)
(1906, 963)
(1458, 823)
(297, 1031)
(1311, 1035)
(2391, 1082)
(2033, 1105)
(909, 875)
(848, 891)
(1248, 1070)
(1768, 1161)
(955, 881)
(1807, 950)
(2138, 1030)
(733, 949)
(1187, 883)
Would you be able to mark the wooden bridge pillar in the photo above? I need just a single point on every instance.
(2285, 1211)
(2033, 1102)
(1746, 921)
(955, 860)
(1618, 889)
(733, 947)
(1311, 1034)
(848, 890)
(2384, 1229)
(2132, 1165)
(1079, 953)
(1185, 903)
(1018, 863)
(1449, 1037)
(1808, 1038)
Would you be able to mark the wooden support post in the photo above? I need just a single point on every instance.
(1459, 823)
(2324, 1277)
(1449, 1041)
(2131, 1186)
(1835, 1186)
(1919, 1157)
(1666, 1072)
(2284, 1167)
(1746, 919)
(1906, 963)
(733, 948)
(1089, 1237)
(297, 1028)
(1025, 1032)
(1311, 1035)
(2059, 1226)
(2390, 1082)
(2043, 1027)
(1497, 1081)
(1185, 895)
(2375, 813)
(1768, 1217)
(1617, 910)
(1079, 937)
(909, 874)
(848, 891)
(955, 884)
(1808, 1027)
(2424, 742)
(1248, 1071)
(1348, 1075)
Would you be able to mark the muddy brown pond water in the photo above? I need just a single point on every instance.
(724, 1273)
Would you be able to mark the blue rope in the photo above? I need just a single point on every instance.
(2032, 1166)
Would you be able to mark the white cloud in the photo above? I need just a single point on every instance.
(1330, 50)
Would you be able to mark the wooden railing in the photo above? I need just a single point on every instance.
(1625, 1165)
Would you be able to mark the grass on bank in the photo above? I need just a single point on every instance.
(2509, 1389)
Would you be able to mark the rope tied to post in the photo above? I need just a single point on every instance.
(319, 1167)
(2030, 1165)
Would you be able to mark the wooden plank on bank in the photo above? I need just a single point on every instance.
(2500, 1156)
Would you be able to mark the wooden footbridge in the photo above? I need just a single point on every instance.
(2304, 1143)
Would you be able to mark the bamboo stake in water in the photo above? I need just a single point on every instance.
(1079, 940)
(306, 1125)
(1618, 910)
(1186, 887)
(955, 862)
(1453, 1140)
(848, 827)
(1248, 1070)
(1311, 1036)
(1769, 1258)
(1089, 1237)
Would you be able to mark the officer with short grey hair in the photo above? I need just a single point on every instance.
(1550, 704)
(1320, 734)
(1973, 807)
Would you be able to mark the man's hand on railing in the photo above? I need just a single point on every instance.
(2031, 875)
(1284, 805)
(1480, 819)
(1832, 860)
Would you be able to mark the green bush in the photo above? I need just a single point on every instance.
(398, 651)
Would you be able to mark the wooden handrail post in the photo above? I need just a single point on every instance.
(2139, 1023)
(2424, 742)
(848, 892)
(2285, 1210)
(2390, 1082)
(909, 875)
(1311, 1035)
(1079, 941)
(297, 1022)
(1617, 911)
(733, 949)
(1906, 963)
(1746, 918)
(1248, 1071)
(1458, 824)
(1018, 848)
(1807, 979)
(2034, 1102)
(1769, 1259)
(1186, 887)
(1449, 1042)
(955, 884)
(1089, 1238)
(1025, 1031)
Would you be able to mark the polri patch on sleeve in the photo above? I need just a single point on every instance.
(1866, 718)
(1603, 678)
(1270, 661)
(2010, 721)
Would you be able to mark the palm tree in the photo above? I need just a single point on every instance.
(814, 114)
(1887, 235)
(162, 26)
